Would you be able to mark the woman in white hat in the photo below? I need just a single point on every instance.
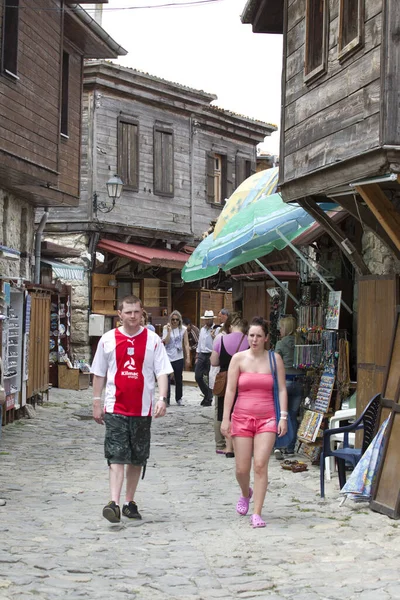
(175, 339)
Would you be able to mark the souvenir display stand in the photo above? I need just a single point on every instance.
(12, 337)
(322, 351)
(60, 332)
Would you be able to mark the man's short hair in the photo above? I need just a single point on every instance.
(225, 311)
(186, 321)
(131, 299)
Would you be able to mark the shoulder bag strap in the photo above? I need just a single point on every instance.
(240, 343)
(272, 363)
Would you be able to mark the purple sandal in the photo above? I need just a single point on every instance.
(256, 521)
(242, 507)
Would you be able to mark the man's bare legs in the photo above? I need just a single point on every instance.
(117, 480)
(116, 476)
(132, 480)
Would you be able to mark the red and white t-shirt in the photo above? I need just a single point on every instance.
(130, 363)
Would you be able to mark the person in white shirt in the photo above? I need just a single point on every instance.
(175, 339)
(126, 360)
(203, 354)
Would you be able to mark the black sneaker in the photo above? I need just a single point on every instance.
(130, 510)
(112, 512)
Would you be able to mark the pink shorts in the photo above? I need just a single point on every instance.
(246, 426)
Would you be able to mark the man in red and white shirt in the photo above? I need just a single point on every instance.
(126, 360)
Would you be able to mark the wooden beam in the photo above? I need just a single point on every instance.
(364, 216)
(336, 234)
(383, 209)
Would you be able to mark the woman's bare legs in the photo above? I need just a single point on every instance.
(263, 444)
(243, 452)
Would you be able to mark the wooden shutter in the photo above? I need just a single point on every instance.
(210, 177)
(163, 162)
(128, 153)
(244, 168)
(229, 184)
(157, 161)
(168, 156)
(239, 170)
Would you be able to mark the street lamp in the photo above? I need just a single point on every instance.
(114, 190)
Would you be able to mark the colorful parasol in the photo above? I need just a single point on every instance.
(260, 184)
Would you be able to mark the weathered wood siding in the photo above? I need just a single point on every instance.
(29, 107)
(143, 209)
(391, 74)
(70, 148)
(337, 117)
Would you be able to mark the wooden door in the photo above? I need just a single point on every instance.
(377, 300)
(385, 497)
(38, 379)
(254, 300)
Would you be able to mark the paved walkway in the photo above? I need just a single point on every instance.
(190, 545)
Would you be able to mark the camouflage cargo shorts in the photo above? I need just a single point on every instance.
(127, 439)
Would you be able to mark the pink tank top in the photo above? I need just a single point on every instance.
(255, 395)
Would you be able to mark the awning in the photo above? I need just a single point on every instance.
(155, 257)
(64, 271)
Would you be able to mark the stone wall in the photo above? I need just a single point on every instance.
(80, 346)
(377, 256)
(18, 233)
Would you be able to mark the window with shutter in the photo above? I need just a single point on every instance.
(351, 22)
(218, 180)
(128, 152)
(316, 38)
(163, 161)
(10, 37)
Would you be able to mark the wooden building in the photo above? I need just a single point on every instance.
(43, 46)
(179, 158)
(340, 140)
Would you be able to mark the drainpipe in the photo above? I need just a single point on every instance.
(38, 242)
(192, 126)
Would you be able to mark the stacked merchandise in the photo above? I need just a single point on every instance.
(320, 347)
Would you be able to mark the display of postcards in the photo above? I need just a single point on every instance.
(310, 425)
(311, 451)
(333, 310)
(325, 390)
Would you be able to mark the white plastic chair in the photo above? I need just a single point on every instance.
(347, 414)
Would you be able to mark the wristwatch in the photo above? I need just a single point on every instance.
(164, 399)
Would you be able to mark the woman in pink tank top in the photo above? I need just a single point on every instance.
(252, 423)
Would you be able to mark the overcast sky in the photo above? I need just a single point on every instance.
(205, 47)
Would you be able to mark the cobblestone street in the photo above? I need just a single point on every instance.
(190, 544)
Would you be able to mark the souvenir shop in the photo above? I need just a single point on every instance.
(322, 352)
(35, 330)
